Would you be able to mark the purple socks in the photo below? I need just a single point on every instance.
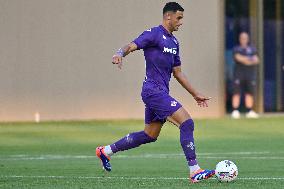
(187, 141)
(131, 140)
(134, 140)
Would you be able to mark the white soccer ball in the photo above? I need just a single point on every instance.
(226, 171)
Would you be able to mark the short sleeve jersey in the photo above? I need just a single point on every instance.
(249, 51)
(161, 52)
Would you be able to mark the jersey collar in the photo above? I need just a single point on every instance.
(165, 31)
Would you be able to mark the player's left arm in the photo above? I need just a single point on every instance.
(254, 60)
(182, 79)
(122, 52)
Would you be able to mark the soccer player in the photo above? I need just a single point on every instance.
(245, 73)
(161, 51)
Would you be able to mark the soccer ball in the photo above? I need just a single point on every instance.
(226, 171)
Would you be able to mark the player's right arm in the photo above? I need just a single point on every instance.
(122, 52)
(145, 40)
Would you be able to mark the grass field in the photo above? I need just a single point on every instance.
(62, 155)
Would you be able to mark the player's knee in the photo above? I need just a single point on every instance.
(152, 133)
(150, 138)
(187, 125)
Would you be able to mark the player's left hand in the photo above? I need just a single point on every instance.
(201, 100)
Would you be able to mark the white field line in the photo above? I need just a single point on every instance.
(136, 157)
(201, 154)
(239, 155)
(128, 178)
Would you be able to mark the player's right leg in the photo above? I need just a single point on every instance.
(235, 104)
(186, 125)
(236, 98)
(132, 140)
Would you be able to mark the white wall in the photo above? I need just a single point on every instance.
(55, 57)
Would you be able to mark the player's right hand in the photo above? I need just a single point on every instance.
(117, 59)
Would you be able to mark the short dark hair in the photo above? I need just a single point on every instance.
(172, 6)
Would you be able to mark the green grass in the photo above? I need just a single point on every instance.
(62, 154)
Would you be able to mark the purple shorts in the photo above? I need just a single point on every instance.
(159, 106)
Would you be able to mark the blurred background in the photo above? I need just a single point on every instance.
(55, 56)
(263, 19)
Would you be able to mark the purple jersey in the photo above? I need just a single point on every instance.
(161, 51)
(249, 51)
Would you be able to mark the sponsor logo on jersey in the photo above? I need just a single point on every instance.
(170, 50)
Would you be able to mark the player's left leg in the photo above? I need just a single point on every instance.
(132, 140)
(250, 90)
(249, 101)
(182, 119)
